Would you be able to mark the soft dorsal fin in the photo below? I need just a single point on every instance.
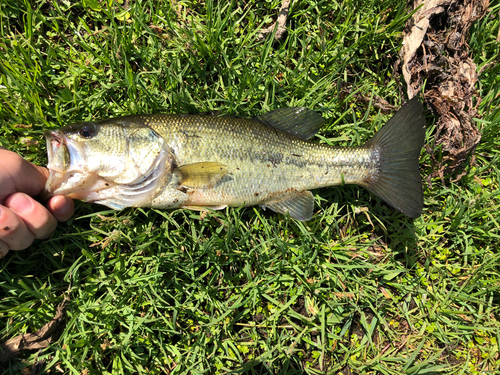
(201, 175)
(299, 207)
(299, 121)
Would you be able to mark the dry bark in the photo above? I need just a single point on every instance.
(280, 24)
(41, 339)
(435, 51)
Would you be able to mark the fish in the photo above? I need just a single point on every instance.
(209, 162)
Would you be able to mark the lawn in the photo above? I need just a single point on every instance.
(359, 289)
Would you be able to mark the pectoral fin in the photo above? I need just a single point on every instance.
(299, 207)
(201, 175)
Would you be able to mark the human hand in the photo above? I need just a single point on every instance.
(23, 219)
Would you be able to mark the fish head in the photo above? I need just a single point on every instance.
(117, 162)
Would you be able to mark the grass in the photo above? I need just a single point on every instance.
(360, 289)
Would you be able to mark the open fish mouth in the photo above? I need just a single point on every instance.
(57, 151)
(63, 165)
(59, 160)
(78, 171)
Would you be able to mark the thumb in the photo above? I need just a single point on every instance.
(19, 175)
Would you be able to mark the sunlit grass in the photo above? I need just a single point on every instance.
(359, 288)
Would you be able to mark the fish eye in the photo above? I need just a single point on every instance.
(88, 130)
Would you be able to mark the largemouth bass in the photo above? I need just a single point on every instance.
(211, 162)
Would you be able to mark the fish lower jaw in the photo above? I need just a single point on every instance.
(75, 184)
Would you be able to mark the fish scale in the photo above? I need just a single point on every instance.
(209, 161)
(263, 162)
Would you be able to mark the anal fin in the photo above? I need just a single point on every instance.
(299, 206)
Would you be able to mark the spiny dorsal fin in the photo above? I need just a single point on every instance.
(299, 121)
(299, 207)
(201, 175)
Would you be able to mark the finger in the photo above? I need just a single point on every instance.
(13, 231)
(16, 174)
(4, 248)
(61, 207)
(37, 218)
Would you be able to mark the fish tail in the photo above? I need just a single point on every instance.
(399, 142)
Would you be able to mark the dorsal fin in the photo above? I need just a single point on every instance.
(299, 121)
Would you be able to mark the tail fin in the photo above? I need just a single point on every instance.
(399, 143)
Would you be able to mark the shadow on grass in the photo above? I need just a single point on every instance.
(282, 367)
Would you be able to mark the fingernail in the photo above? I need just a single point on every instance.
(21, 203)
(60, 207)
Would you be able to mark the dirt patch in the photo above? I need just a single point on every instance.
(435, 52)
